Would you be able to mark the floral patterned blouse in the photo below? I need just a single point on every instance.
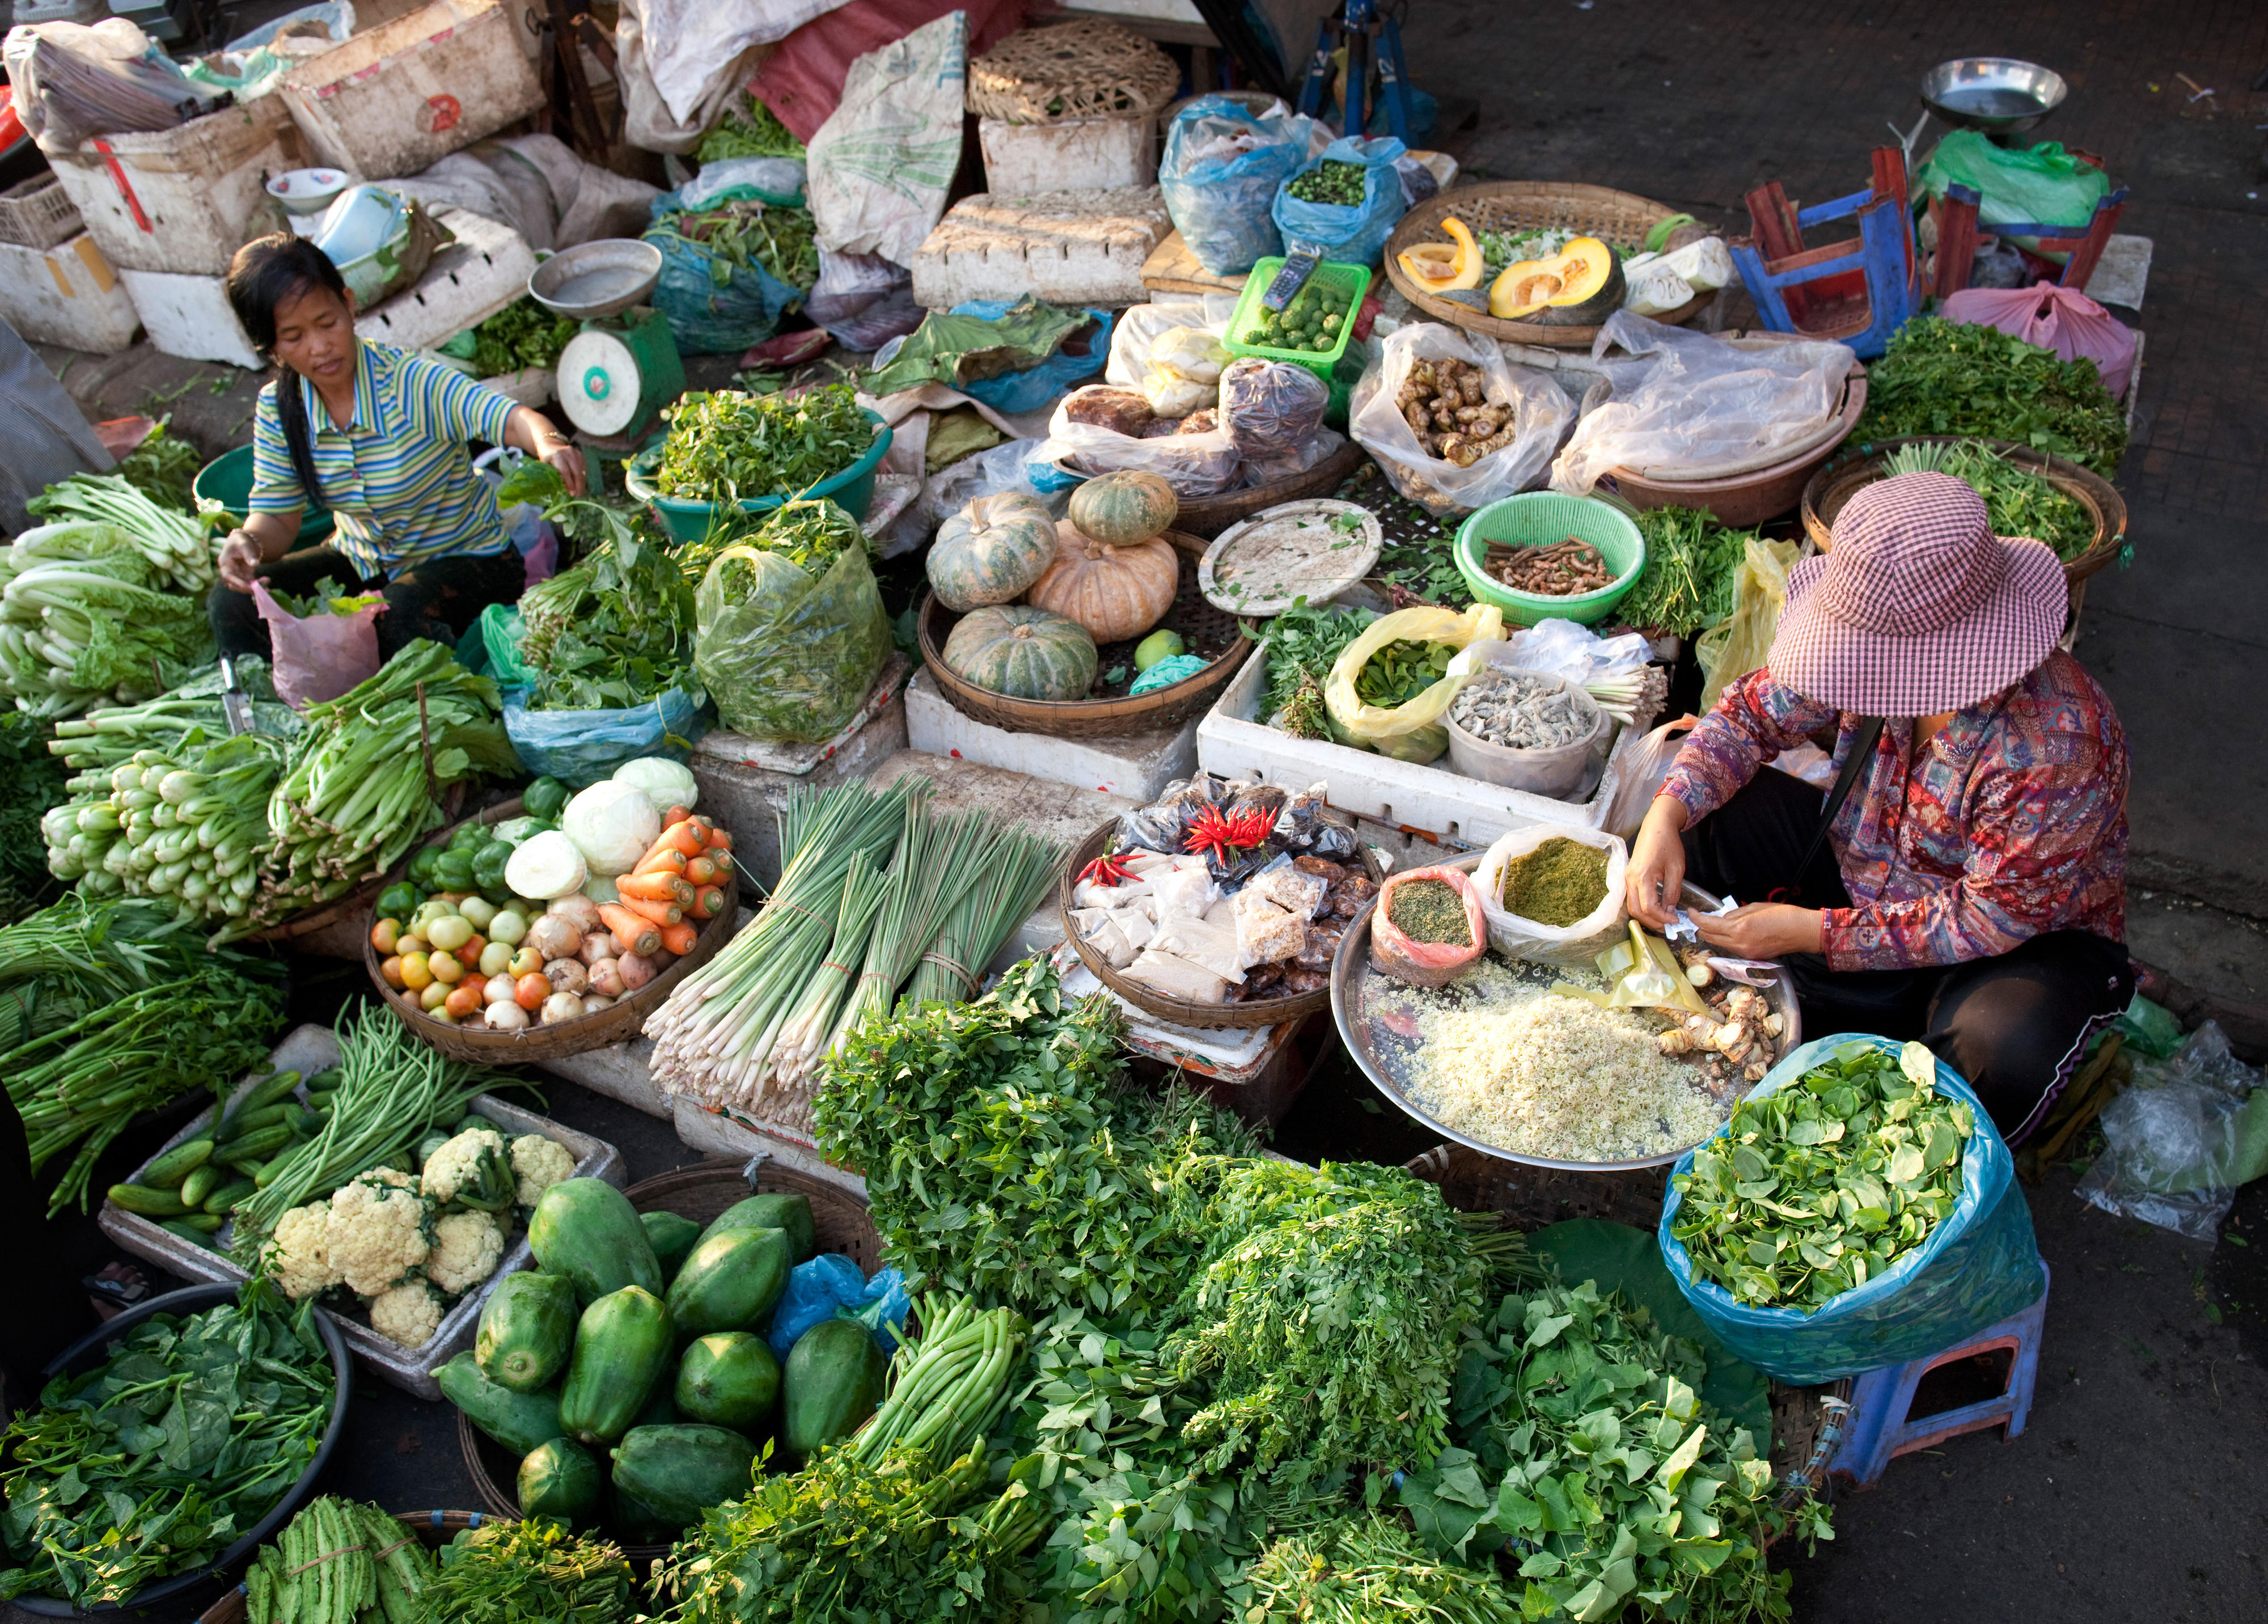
(2011, 822)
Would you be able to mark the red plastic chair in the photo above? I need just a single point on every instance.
(1860, 291)
(1955, 214)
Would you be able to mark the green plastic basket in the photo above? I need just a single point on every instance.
(1536, 519)
(227, 480)
(1355, 279)
(852, 490)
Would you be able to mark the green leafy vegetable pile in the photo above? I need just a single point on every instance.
(1818, 1188)
(329, 598)
(1302, 645)
(533, 1572)
(1358, 1569)
(725, 448)
(157, 1460)
(522, 334)
(747, 232)
(1400, 671)
(31, 782)
(1940, 377)
(2017, 501)
(1692, 565)
(750, 130)
(163, 468)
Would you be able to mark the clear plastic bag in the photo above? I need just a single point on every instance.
(1200, 464)
(1572, 947)
(1221, 169)
(2180, 1138)
(1271, 409)
(1543, 414)
(322, 656)
(1426, 964)
(787, 656)
(1729, 652)
(1412, 731)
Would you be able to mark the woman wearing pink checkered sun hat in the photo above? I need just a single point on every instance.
(1964, 882)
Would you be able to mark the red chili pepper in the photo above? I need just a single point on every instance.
(1106, 871)
(1219, 833)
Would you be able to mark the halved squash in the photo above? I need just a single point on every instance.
(1581, 285)
(1444, 267)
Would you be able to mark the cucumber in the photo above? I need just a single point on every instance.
(267, 1091)
(527, 1328)
(622, 1344)
(186, 1231)
(729, 1282)
(676, 1472)
(178, 1164)
(251, 1121)
(560, 1479)
(729, 1379)
(223, 1202)
(147, 1202)
(586, 1230)
(774, 1209)
(203, 1223)
(831, 1383)
(672, 1236)
(257, 1146)
(201, 1182)
(324, 1082)
(264, 1173)
(518, 1420)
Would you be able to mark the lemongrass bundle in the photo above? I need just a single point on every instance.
(1016, 873)
(938, 860)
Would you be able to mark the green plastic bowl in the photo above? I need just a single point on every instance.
(1536, 519)
(852, 490)
(227, 480)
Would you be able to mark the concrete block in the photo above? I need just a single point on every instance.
(1138, 765)
(620, 1072)
(701, 1129)
(1075, 247)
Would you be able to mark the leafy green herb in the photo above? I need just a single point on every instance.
(1402, 670)
(329, 598)
(32, 780)
(522, 334)
(726, 448)
(1361, 1569)
(1691, 568)
(2017, 501)
(1302, 645)
(533, 1572)
(1818, 1188)
(810, 534)
(163, 467)
(750, 130)
(1940, 377)
(747, 232)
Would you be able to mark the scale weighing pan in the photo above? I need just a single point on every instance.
(1366, 1004)
(593, 280)
(1999, 95)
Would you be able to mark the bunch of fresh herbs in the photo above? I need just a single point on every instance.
(522, 334)
(32, 780)
(1940, 377)
(1818, 1188)
(163, 467)
(1692, 564)
(1302, 645)
(750, 130)
(2017, 501)
(530, 1572)
(329, 598)
(744, 234)
(810, 534)
(159, 1459)
(724, 446)
(1400, 670)
(1362, 1569)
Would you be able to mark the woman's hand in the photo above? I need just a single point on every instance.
(531, 431)
(239, 557)
(565, 460)
(1763, 930)
(1656, 872)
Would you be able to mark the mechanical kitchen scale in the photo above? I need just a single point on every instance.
(617, 373)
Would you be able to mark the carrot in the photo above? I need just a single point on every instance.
(654, 888)
(720, 840)
(682, 836)
(661, 860)
(704, 870)
(660, 913)
(708, 901)
(636, 935)
(675, 815)
(678, 938)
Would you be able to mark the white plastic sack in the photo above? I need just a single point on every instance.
(1194, 464)
(1572, 947)
(946, 492)
(1139, 328)
(881, 164)
(1644, 769)
(1685, 400)
(1543, 414)
(689, 52)
(1563, 649)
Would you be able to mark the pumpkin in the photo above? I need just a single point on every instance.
(1115, 592)
(991, 550)
(1581, 285)
(1025, 652)
(1444, 267)
(1125, 508)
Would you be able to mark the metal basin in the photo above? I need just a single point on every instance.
(1362, 999)
(1998, 94)
(596, 279)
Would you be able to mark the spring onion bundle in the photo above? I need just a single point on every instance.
(1014, 877)
(809, 1030)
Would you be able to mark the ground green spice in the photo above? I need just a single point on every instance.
(1557, 885)
(1430, 910)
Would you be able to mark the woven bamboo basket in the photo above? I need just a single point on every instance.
(1620, 219)
(1209, 515)
(1180, 1011)
(1840, 479)
(1087, 69)
(1094, 718)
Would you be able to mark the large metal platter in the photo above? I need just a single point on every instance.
(1363, 1002)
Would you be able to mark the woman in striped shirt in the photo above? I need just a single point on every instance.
(378, 436)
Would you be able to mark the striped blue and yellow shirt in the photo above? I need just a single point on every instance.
(398, 477)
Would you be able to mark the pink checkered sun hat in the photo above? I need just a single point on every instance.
(1918, 607)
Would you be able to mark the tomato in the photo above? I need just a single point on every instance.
(385, 936)
(530, 990)
(469, 954)
(392, 971)
(446, 967)
(416, 972)
(464, 999)
(433, 997)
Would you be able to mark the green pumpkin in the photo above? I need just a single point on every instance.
(991, 550)
(1025, 652)
(1124, 509)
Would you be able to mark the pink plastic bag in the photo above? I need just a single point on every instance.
(2063, 320)
(320, 657)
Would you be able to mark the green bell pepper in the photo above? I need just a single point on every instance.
(488, 868)
(546, 799)
(421, 867)
(469, 837)
(398, 901)
(454, 871)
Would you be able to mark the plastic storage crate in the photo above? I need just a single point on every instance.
(1354, 279)
(38, 213)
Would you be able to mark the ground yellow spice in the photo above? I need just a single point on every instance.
(1557, 885)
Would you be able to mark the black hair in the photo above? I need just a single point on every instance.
(266, 273)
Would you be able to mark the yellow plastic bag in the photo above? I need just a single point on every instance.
(1413, 731)
(1729, 651)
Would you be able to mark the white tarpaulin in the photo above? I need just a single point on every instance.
(881, 165)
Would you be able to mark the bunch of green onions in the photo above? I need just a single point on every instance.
(804, 1037)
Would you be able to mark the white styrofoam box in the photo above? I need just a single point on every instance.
(1447, 808)
(187, 314)
(66, 295)
(1072, 154)
(404, 96)
(1137, 765)
(469, 281)
(179, 200)
(1077, 248)
(619, 1071)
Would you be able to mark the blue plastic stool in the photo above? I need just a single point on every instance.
(1859, 293)
(1876, 1428)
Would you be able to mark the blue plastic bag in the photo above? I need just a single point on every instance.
(579, 747)
(830, 1284)
(1015, 392)
(1977, 1267)
(1220, 204)
(714, 307)
(1349, 236)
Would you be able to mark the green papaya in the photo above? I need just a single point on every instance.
(831, 1384)
(622, 1344)
(633, 1518)
(671, 1236)
(774, 1209)
(559, 1479)
(661, 1404)
(528, 1329)
(729, 1282)
(520, 1421)
(679, 1472)
(728, 1379)
(586, 1230)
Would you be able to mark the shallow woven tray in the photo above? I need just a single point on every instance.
(1621, 220)
(1840, 479)
(1209, 515)
(1088, 69)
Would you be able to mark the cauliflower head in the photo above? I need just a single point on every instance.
(298, 1256)
(472, 1169)
(409, 1315)
(379, 1230)
(466, 1247)
(538, 1163)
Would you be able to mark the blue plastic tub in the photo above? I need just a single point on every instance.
(852, 490)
